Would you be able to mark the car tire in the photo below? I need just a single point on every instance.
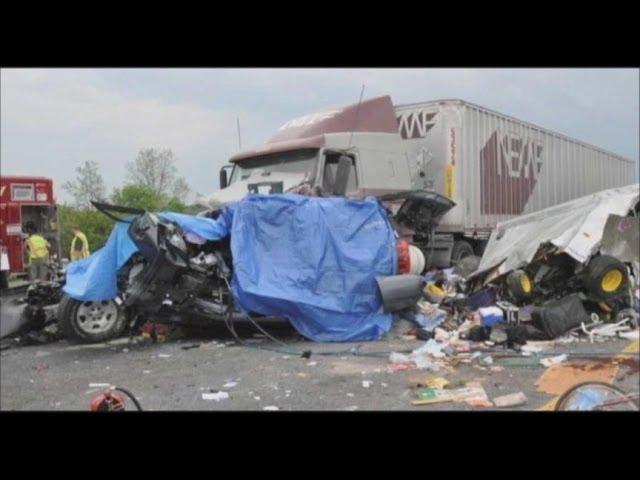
(519, 284)
(606, 277)
(90, 322)
(461, 249)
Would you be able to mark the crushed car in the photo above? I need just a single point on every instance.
(313, 261)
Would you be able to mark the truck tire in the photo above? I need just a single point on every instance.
(519, 284)
(90, 322)
(460, 250)
(606, 277)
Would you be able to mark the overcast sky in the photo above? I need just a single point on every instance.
(53, 120)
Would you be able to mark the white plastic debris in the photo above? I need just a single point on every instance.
(431, 347)
(547, 362)
(424, 362)
(367, 383)
(398, 358)
(312, 364)
(512, 400)
(635, 335)
(441, 335)
(488, 360)
(230, 384)
(163, 355)
(217, 396)
(271, 408)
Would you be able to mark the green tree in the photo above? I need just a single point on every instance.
(138, 196)
(88, 185)
(156, 170)
(143, 197)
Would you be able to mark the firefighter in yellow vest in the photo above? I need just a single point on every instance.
(79, 245)
(37, 248)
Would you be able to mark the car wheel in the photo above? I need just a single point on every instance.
(90, 322)
(606, 277)
(519, 284)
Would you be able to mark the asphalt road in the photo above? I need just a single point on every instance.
(164, 376)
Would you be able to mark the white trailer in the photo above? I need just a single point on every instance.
(494, 167)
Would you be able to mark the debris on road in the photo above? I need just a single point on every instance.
(217, 396)
(511, 400)
(474, 394)
(547, 362)
(559, 378)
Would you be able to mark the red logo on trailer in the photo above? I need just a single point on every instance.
(509, 168)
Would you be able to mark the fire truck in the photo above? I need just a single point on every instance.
(26, 200)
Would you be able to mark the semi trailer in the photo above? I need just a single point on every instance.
(493, 166)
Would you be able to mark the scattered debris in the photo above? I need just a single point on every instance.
(367, 383)
(558, 378)
(270, 408)
(547, 362)
(511, 400)
(217, 396)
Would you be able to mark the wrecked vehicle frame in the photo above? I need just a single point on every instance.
(176, 281)
(566, 248)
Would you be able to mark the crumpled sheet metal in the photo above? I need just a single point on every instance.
(575, 227)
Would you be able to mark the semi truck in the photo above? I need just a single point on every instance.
(493, 166)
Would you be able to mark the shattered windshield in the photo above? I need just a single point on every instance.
(299, 161)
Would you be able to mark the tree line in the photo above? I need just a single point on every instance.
(151, 183)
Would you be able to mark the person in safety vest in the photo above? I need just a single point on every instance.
(79, 245)
(37, 247)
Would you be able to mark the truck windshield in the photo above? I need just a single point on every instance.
(298, 161)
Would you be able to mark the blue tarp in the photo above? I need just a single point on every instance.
(95, 277)
(311, 260)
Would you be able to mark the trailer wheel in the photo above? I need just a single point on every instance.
(90, 322)
(461, 249)
(519, 284)
(606, 277)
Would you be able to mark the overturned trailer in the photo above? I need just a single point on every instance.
(589, 245)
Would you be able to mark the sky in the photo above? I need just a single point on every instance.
(52, 120)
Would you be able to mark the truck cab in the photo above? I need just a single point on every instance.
(355, 151)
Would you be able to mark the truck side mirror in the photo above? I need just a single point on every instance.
(224, 180)
(342, 176)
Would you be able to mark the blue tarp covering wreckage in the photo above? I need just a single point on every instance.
(311, 260)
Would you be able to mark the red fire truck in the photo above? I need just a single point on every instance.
(23, 200)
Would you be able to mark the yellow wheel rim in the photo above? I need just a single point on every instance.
(611, 281)
(525, 283)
